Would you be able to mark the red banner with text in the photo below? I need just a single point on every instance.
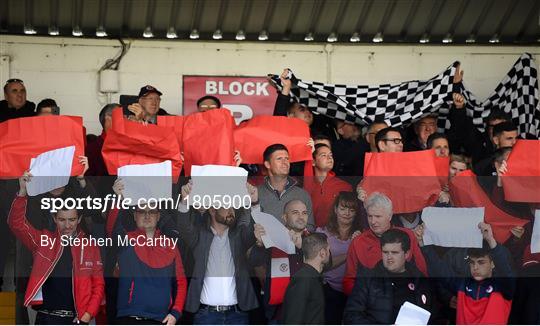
(246, 97)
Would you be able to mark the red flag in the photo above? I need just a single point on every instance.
(466, 192)
(521, 182)
(252, 137)
(173, 121)
(130, 142)
(25, 138)
(208, 139)
(412, 180)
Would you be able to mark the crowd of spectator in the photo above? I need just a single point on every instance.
(356, 260)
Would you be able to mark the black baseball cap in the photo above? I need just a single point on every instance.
(149, 89)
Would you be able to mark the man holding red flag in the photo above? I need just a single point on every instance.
(147, 108)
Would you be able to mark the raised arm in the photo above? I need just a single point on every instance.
(186, 218)
(17, 221)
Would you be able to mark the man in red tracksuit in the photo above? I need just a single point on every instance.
(365, 249)
(486, 296)
(66, 283)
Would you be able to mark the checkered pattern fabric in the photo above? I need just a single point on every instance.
(516, 94)
(403, 103)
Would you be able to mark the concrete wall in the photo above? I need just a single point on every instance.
(66, 68)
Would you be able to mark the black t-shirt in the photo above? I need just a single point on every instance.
(58, 288)
(7, 113)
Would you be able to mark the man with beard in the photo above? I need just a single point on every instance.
(304, 299)
(220, 291)
(274, 266)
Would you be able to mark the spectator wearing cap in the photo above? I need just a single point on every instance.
(15, 104)
(207, 103)
(47, 106)
(147, 108)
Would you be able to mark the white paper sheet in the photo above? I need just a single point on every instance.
(143, 182)
(50, 170)
(453, 227)
(535, 239)
(276, 235)
(219, 185)
(410, 314)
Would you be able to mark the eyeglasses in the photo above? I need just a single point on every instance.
(14, 80)
(396, 141)
(208, 106)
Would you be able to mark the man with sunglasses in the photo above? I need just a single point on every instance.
(15, 104)
(207, 103)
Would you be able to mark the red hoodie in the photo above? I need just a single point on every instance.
(323, 195)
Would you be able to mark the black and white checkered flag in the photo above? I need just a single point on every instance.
(516, 94)
(397, 105)
(403, 103)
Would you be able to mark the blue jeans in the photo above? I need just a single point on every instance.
(230, 317)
